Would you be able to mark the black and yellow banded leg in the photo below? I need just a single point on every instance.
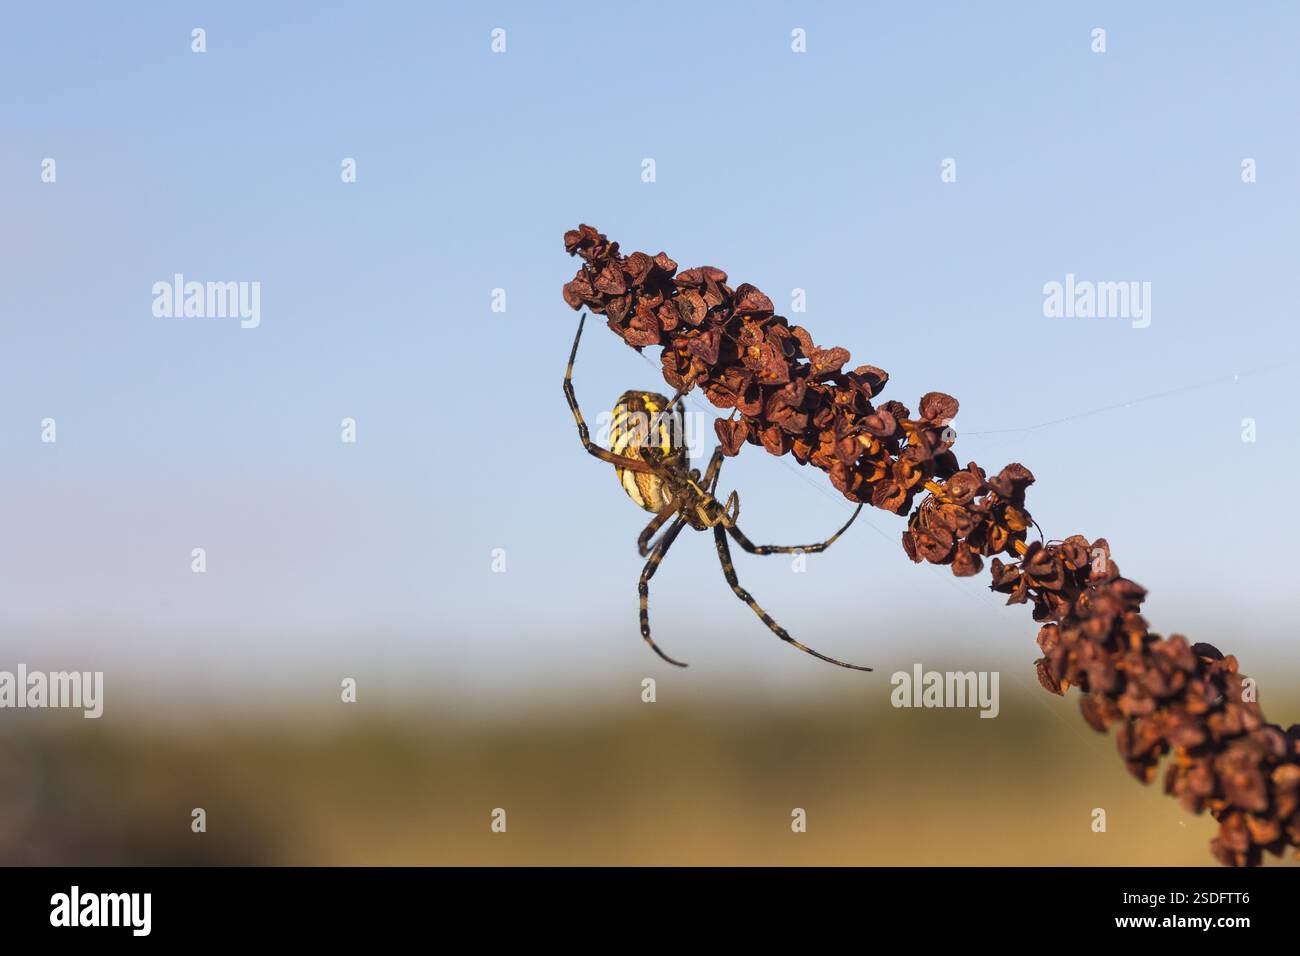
(725, 514)
(715, 467)
(643, 539)
(676, 400)
(643, 588)
(631, 464)
(724, 555)
(752, 548)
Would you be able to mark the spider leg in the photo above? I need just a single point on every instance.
(681, 440)
(643, 546)
(676, 400)
(711, 473)
(731, 510)
(643, 588)
(752, 548)
(724, 556)
(631, 464)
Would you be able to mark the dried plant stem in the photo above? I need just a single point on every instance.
(1164, 695)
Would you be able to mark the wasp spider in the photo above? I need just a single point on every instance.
(649, 455)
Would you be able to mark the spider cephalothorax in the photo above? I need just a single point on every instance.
(648, 452)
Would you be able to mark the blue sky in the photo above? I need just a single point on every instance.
(818, 171)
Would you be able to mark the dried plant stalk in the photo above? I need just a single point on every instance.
(1165, 696)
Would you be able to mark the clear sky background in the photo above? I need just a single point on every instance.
(818, 170)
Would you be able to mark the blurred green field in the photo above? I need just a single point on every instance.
(612, 783)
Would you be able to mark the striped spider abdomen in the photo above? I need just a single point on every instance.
(645, 427)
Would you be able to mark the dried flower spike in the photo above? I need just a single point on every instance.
(1182, 703)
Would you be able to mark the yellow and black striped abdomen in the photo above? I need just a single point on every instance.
(645, 428)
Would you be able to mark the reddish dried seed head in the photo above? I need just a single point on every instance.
(791, 396)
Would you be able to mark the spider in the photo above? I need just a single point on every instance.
(652, 465)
